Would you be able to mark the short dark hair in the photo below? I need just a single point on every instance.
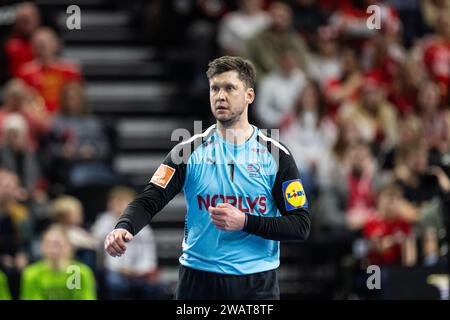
(245, 69)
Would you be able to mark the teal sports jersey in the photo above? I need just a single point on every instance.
(259, 177)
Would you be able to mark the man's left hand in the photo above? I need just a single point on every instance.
(226, 217)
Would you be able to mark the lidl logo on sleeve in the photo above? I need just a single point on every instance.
(163, 176)
(294, 195)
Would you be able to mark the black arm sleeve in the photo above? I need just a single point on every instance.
(295, 223)
(165, 184)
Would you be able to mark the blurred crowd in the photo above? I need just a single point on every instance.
(52, 151)
(365, 112)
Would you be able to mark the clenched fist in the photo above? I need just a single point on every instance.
(115, 242)
(226, 217)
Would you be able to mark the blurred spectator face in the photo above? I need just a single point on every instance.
(350, 132)
(15, 94)
(250, 5)
(309, 100)
(328, 47)
(288, 62)
(349, 61)
(229, 96)
(410, 72)
(56, 246)
(73, 99)
(360, 156)
(409, 132)
(10, 189)
(387, 201)
(27, 20)
(281, 15)
(417, 160)
(15, 132)
(327, 44)
(45, 43)
(443, 25)
(73, 218)
(428, 98)
(118, 199)
(371, 95)
(118, 204)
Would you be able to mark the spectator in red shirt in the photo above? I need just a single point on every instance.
(361, 181)
(18, 47)
(389, 232)
(48, 74)
(436, 54)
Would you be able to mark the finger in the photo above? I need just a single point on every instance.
(220, 224)
(120, 241)
(219, 211)
(222, 205)
(217, 221)
(111, 251)
(211, 209)
(118, 250)
(128, 237)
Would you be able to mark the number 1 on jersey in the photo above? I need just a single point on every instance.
(231, 164)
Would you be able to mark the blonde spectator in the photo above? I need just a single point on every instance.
(67, 211)
(431, 9)
(50, 278)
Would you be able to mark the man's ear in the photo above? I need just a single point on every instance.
(250, 95)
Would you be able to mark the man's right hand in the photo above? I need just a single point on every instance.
(115, 242)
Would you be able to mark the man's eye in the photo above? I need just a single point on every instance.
(215, 89)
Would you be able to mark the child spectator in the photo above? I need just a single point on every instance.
(50, 278)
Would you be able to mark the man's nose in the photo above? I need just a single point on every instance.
(221, 94)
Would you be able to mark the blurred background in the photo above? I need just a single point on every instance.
(86, 117)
